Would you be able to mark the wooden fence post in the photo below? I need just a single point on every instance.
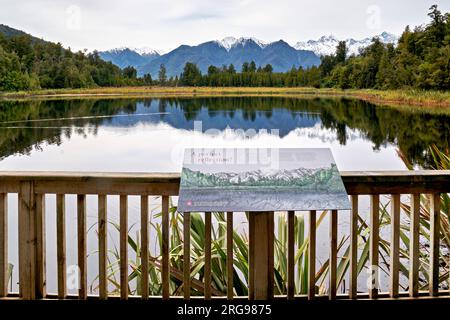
(27, 241)
(261, 241)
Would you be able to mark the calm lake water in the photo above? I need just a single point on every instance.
(149, 135)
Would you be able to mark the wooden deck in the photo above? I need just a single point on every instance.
(32, 187)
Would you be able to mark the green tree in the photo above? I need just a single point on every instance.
(191, 75)
(130, 72)
(162, 75)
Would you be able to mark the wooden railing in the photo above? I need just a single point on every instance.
(32, 187)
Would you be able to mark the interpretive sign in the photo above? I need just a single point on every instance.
(259, 180)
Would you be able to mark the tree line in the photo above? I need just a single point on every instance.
(28, 63)
(421, 59)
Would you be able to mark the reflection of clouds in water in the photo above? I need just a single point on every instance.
(325, 135)
(158, 147)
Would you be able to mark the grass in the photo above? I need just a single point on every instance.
(408, 97)
(240, 251)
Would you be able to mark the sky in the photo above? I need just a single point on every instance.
(166, 24)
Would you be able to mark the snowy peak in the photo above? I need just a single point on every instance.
(144, 51)
(230, 42)
(124, 57)
(326, 45)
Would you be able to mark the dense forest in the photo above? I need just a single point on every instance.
(421, 59)
(28, 63)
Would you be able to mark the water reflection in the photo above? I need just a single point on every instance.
(67, 130)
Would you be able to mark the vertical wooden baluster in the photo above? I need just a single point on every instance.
(353, 293)
(61, 245)
(434, 243)
(207, 255)
(82, 246)
(230, 255)
(261, 248)
(251, 255)
(270, 252)
(312, 255)
(414, 246)
(373, 246)
(123, 247)
(144, 247)
(165, 247)
(290, 255)
(187, 255)
(102, 246)
(40, 246)
(3, 245)
(333, 253)
(27, 243)
(395, 244)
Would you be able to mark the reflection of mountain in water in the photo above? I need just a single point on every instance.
(413, 132)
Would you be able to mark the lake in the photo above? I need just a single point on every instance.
(149, 135)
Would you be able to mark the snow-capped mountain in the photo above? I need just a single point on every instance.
(301, 177)
(230, 42)
(326, 45)
(234, 51)
(146, 51)
(124, 57)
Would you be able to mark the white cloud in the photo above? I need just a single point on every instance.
(164, 24)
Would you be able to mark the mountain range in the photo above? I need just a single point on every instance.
(228, 51)
(326, 45)
(236, 51)
(301, 178)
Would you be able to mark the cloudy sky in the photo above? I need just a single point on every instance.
(165, 24)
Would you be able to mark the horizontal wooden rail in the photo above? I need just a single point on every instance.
(33, 186)
(356, 182)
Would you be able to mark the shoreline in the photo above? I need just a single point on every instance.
(415, 98)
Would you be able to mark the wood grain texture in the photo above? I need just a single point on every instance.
(261, 242)
(123, 247)
(144, 247)
(312, 255)
(435, 211)
(353, 275)
(165, 247)
(102, 246)
(356, 182)
(27, 241)
(374, 242)
(61, 245)
(395, 245)
(230, 255)
(82, 246)
(41, 284)
(414, 251)
(207, 255)
(3, 245)
(187, 255)
(290, 255)
(333, 254)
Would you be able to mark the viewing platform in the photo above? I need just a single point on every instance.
(416, 193)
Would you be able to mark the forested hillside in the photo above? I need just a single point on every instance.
(29, 63)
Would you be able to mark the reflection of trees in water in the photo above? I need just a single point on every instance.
(412, 131)
(25, 135)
